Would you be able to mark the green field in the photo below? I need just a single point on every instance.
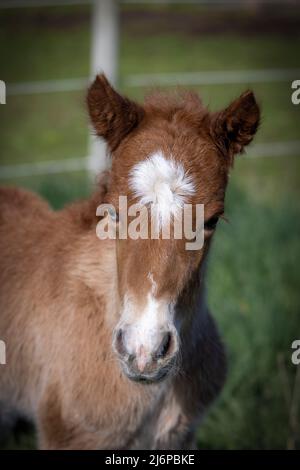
(254, 277)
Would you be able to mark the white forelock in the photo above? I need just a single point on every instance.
(162, 183)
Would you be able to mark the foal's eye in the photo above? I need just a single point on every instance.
(211, 223)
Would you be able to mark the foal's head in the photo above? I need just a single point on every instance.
(165, 154)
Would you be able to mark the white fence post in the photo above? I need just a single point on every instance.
(104, 58)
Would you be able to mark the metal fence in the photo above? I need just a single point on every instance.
(104, 53)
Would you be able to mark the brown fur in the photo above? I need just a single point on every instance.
(61, 288)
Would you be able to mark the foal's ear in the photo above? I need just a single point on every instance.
(234, 128)
(112, 115)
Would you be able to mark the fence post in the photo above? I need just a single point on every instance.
(104, 58)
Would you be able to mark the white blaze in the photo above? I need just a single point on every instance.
(144, 329)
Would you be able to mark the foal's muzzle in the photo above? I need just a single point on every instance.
(144, 364)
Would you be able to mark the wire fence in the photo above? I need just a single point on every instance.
(262, 150)
(223, 3)
(215, 77)
(268, 149)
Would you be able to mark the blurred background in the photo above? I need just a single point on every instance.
(48, 51)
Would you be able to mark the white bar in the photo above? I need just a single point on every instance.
(47, 86)
(47, 3)
(236, 3)
(2, 353)
(274, 149)
(43, 168)
(40, 3)
(262, 150)
(104, 58)
(217, 77)
(2, 92)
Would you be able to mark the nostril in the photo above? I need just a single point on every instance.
(119, 342)
(164, 346)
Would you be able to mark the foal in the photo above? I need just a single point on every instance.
(110, 343)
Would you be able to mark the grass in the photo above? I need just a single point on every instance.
(253, 275)
(253, 291)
